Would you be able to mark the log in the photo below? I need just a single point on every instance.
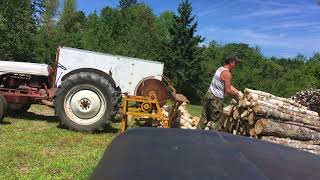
(236, 114)
(288, 140)
(271, 103)
(251, 118)
(309, 98)
(270, 96)
(195, 121)
(291, 143)
(227, 110)
(267, 111)
(186, 119)
(244, 114)
(267, 127)
(316, 128)
(252, 132)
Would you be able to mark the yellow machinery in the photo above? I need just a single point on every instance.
(151, 94)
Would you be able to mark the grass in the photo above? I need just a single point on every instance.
(195, 110)
(33, 146)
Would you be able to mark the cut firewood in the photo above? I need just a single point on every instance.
(259, 114)
(267, 127)
(183, 118)
(236, 114)
(309, 98)
(289, 116)
(195, 121)
(306, 146)
(270, 96)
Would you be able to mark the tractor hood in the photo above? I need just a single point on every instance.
(23, 68)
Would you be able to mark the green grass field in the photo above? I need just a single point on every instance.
(33, 146)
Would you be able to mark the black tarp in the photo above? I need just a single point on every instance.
(165, 154)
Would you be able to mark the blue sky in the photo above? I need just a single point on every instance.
(281, 28)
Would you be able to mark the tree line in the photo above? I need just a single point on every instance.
(32, 30)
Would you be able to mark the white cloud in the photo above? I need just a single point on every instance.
(270, 13)
(289, 45)
(284, 28)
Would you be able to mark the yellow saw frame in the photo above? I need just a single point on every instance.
(147, 108)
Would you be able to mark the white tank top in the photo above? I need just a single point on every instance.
(217, 84)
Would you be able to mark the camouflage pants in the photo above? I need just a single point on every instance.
(211, 112)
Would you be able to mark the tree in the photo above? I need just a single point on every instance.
(123, 4)
(47, 38)
(17, 30)
(183, 62)
(71, 24)
(163, 23)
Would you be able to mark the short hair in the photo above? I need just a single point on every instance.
(231, 58)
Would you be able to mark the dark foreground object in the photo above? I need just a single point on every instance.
(163, 154)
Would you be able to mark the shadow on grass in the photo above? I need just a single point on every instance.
(5, 123)
(108, 129)
(29, 116)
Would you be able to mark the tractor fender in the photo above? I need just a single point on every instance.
(99, 72)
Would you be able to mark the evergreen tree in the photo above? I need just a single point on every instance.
(47, 39)
(71, 24)
(123, 4)
(185, 56)
(17, 30)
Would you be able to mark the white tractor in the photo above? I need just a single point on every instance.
(84, 87)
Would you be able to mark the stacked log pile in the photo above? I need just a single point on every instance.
(309, 98)
(183, 119)
(265, 116)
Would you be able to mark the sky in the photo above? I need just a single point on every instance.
(281, 28)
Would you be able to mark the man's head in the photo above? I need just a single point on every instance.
(232, 61)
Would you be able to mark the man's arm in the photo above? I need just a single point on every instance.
(228, 88)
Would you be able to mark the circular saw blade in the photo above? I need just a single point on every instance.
(150, 86)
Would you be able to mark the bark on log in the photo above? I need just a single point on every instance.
(268, 112)
(316, 128)
(267, 127)
(291, 143)
(270, 96)
(272, 104)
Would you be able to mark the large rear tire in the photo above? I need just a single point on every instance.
(3, 107)
(14, 109)
(86, 102)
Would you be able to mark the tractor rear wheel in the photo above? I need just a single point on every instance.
(86, 102)
(3, 107)
(18, 108)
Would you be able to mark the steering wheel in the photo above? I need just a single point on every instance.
(57, 64)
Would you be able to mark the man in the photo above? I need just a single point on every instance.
(220, 85)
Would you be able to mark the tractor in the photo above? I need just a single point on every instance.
(84, 87)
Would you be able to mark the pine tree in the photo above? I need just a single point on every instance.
(184, 61)
(47, 39)
(68, 15)
(49, 12)
(71, 24)
(123, 4)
